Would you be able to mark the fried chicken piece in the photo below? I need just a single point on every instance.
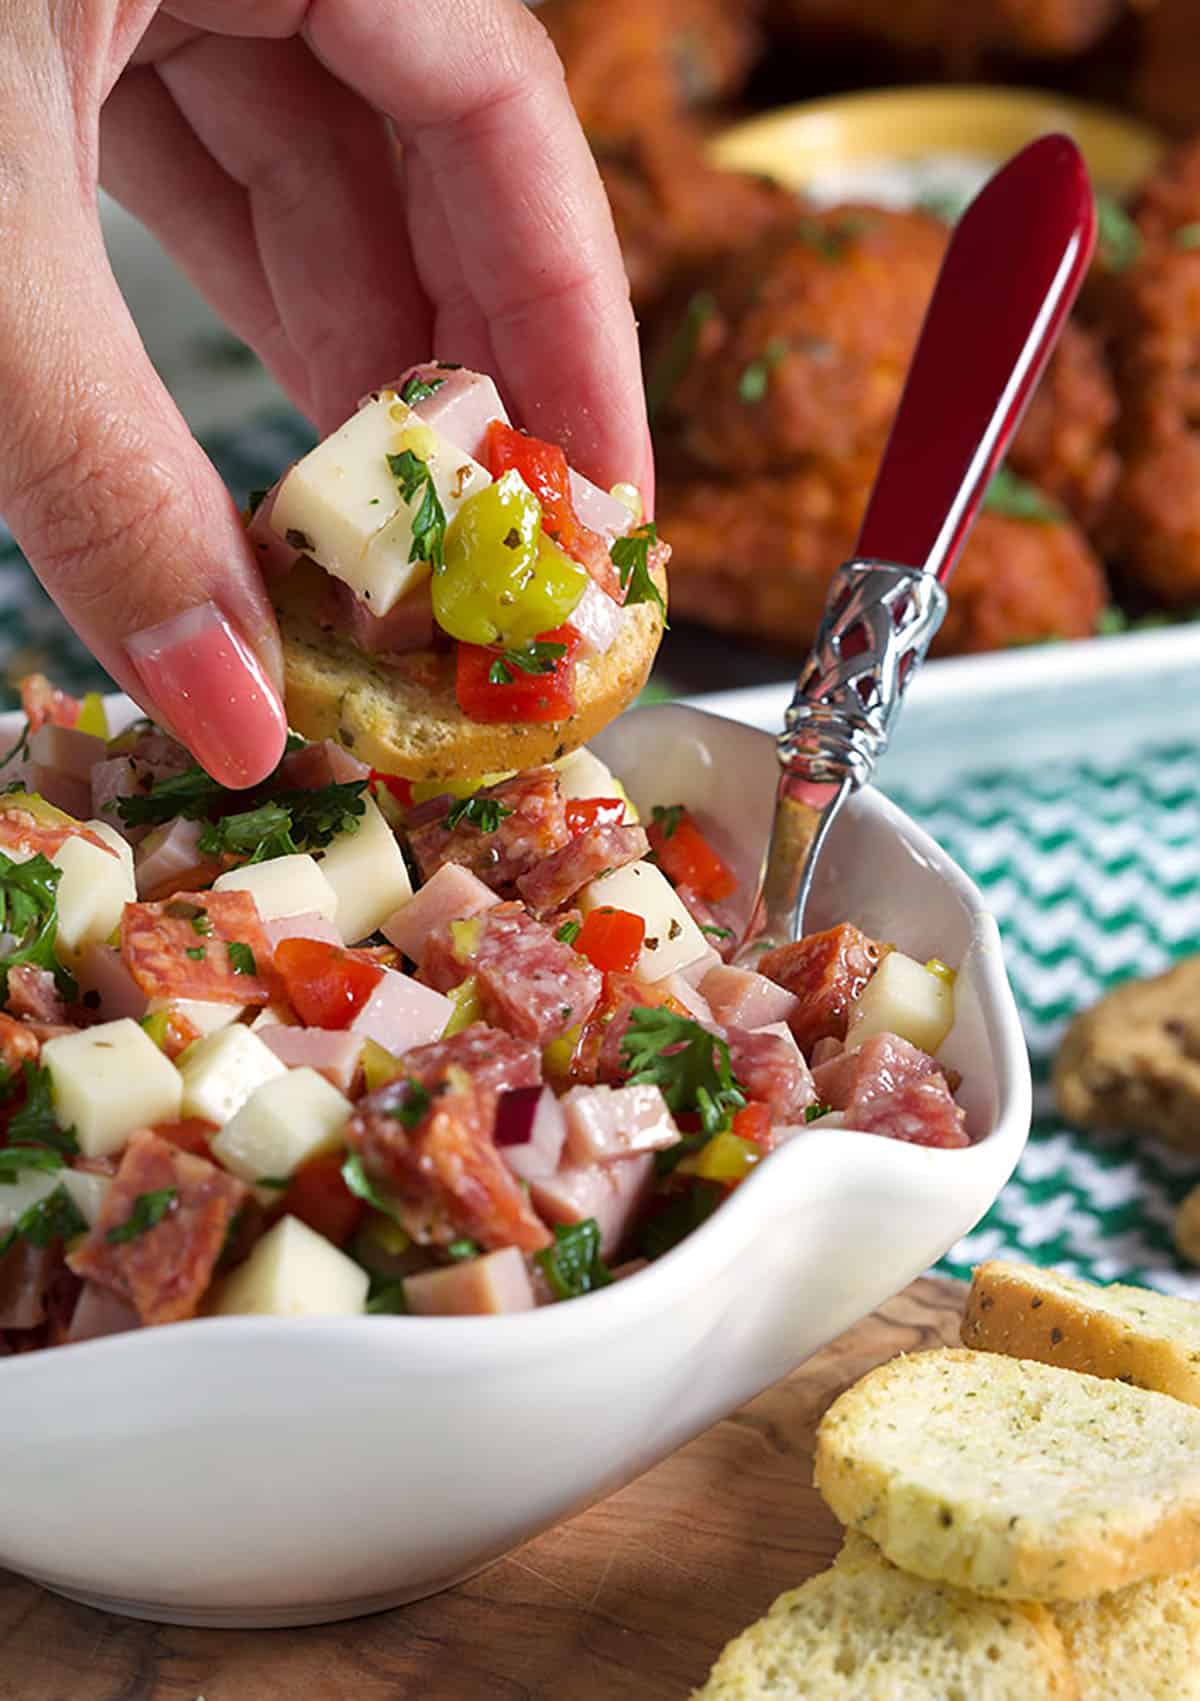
(804, 344)
(631, 67)
(1065, 444)
(959, 35)
(1170, 200)
(756, 558)
(1133, 1061)
(1154, 523)
(674, 211)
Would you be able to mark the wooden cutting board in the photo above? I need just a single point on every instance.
(631, 1601)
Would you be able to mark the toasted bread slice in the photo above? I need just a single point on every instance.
(1140, 1644)
(1129, 1334)
(401, 715)
(864, 1631)
(1015, 1479)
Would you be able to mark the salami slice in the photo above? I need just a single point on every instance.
(769, 1068)
(170, 952)
(529, 982)
(923, 1112)
(18, 1043)
(826, 972)
(534, 827)
(493, 1059)
(162, 1267)
(21, 832)
(555, 880)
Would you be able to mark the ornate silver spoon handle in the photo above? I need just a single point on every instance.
(1010, 275)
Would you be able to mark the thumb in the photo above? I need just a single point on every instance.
(121, 515)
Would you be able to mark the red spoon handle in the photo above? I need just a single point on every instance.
(1012, 271)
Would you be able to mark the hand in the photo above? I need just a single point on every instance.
(257, 139)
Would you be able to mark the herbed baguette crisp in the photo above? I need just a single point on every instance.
(1015, 1479)
(864, 1631)
(1129, 1334)
(402, 715)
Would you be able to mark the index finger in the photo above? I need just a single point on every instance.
(475, 90)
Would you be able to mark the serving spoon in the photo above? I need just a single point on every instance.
(1014, 266)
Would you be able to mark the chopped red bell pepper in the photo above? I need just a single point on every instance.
(325, 985)
(611, 939)
(753, 1122)
(543, 466)
(401, 789)
(319, 1197)
(527, 696)
(687, 858)
(584, 813)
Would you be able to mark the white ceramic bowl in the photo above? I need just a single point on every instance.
(245, 1471)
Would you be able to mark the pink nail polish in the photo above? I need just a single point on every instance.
(213, 692)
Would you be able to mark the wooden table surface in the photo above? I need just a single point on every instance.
(632, 1599)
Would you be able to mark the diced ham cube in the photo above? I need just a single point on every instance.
(408, 625)
(451, 894)
(885, 1062)
(26, 1272)
(826, 972)
(494, 1061)
(275, 555)
(679, 987)
(64, 791)
(534, 827)
(614, 1194)
(335, 1053)
(323, 763)
(530, 1131)
(461, 408)
(98, 1312)
(604, 1123)
(153, 756)
(165, 1269)
(922, 1111)
(66, 750)
(107, 985)
(478, 1287)
(598, 510)
(307, 925)
(444, 1171)
(772, 1071)
(529, 982)
(555, 880)
(401, 1013)
(166, 860)
(741, 998)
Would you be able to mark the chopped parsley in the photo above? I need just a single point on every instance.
(256, 835)
(287, 824)
(278, 1183)
(1187, 236)
(483, 813)
(147, 1212)
(241, 958)
(667, 816)
(682, 1213)
(631, 557)
(812, 1112)
(16, 1160)
(1118, 239)
(29, 912)
(755, 378)
(202, 924)
(715, 931)
(1017, 499)
(413, 1108)
(462, 1249)
(196, 953)
(690, 1066)
(830, 240)
(569, 932)
(415, 480)
(420, 389)
(362, 1187)
(56, 1217)
(386, 1298)
(20, 748)
(535, 657)
(573, 1265)
(194, 795)
(678, 354)
(36, 1123)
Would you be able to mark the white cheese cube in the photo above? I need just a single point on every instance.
(903, 997)
(286, 885)
(29, 1189)
(672, 938)
(368, 874)
(342, 505)
(106, 831)
(67, 750)
(222, 1070)
(87, 1192)
(205, 1014)
(294, 1272)
(109, 1080)
(93, 891)
(293, 1117)
(582, 775)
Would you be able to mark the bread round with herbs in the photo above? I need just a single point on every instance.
(401, 715)
(1015, 1479)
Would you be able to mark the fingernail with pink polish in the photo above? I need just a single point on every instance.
(213, 692)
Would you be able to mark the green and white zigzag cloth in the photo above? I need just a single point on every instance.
(1094, 876)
